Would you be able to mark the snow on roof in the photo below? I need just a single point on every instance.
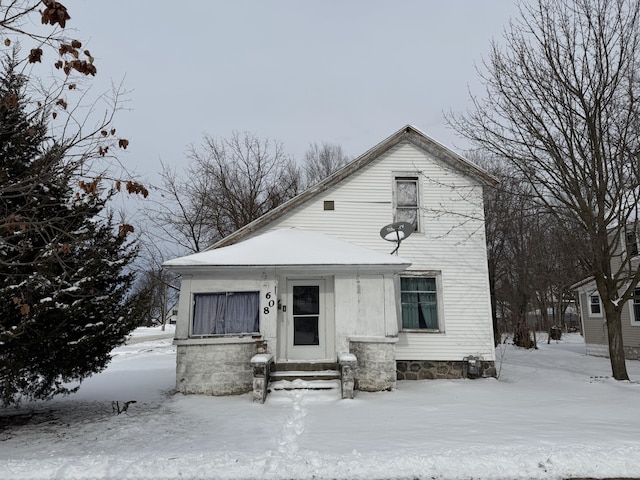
(289, 247)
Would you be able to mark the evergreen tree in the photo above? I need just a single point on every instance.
(64, 281)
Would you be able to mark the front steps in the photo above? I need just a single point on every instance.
(269, 376)
(305, 376)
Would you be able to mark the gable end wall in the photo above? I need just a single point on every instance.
(452, 243)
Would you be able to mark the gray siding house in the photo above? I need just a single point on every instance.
(594, 324)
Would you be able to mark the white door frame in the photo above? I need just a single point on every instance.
(325, 349)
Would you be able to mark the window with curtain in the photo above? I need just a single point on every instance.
(419, 303)
(226, 313)
(406, 201)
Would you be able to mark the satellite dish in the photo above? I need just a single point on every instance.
(396, 232)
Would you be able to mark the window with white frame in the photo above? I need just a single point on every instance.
(631, 242)
(635, 313)
(595, 307)
(226, 313)
(406, 200)
(419, 299)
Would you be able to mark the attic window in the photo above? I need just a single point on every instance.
(329, 205)
(406, 200)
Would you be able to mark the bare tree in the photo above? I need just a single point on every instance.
(228, 183)
(179, 212)
(531, 262)
(562, 105)
(320, 161)
(159, 286)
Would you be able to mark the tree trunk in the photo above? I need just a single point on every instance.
(616, 346)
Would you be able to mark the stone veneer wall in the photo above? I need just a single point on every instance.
(215, 369)
(431, 370)
(600, 350)
(376, 365)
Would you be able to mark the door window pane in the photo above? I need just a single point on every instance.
(306, 300)
(305, 331)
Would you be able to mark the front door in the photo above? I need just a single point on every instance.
(306, 320)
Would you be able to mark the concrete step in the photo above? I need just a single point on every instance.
(302, 384)
(306, 375)
(304, 366)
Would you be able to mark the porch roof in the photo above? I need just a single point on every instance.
(290, 247)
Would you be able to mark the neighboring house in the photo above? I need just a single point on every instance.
(172, 316)
(594, 322)
(312, 281)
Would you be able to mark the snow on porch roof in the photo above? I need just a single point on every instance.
(289, 247)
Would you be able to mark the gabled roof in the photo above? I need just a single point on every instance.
(580, 285)
(408, 133)
(290, 247)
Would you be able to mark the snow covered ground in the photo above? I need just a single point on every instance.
(554, 413)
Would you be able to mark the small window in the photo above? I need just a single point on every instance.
(329, 205)
(226, 313)
(636, 306)
(406, 203)
(631, 243)
(419, 303)
(594, 305)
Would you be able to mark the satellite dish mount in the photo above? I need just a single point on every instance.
(396, 232)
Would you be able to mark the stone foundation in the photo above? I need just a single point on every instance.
(376, 363)
(432, 370)
(215, 368)
(601, 350)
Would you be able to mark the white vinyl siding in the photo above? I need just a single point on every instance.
(451, 241)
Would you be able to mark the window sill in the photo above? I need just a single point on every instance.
(420, 330)
(218, 340)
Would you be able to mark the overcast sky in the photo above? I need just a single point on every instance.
(346, 72)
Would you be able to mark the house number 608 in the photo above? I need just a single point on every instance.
(271, 302)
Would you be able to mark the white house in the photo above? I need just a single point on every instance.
(313, 282)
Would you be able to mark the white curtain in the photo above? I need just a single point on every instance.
(208, 315)
(243, 312)
(229, 312)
